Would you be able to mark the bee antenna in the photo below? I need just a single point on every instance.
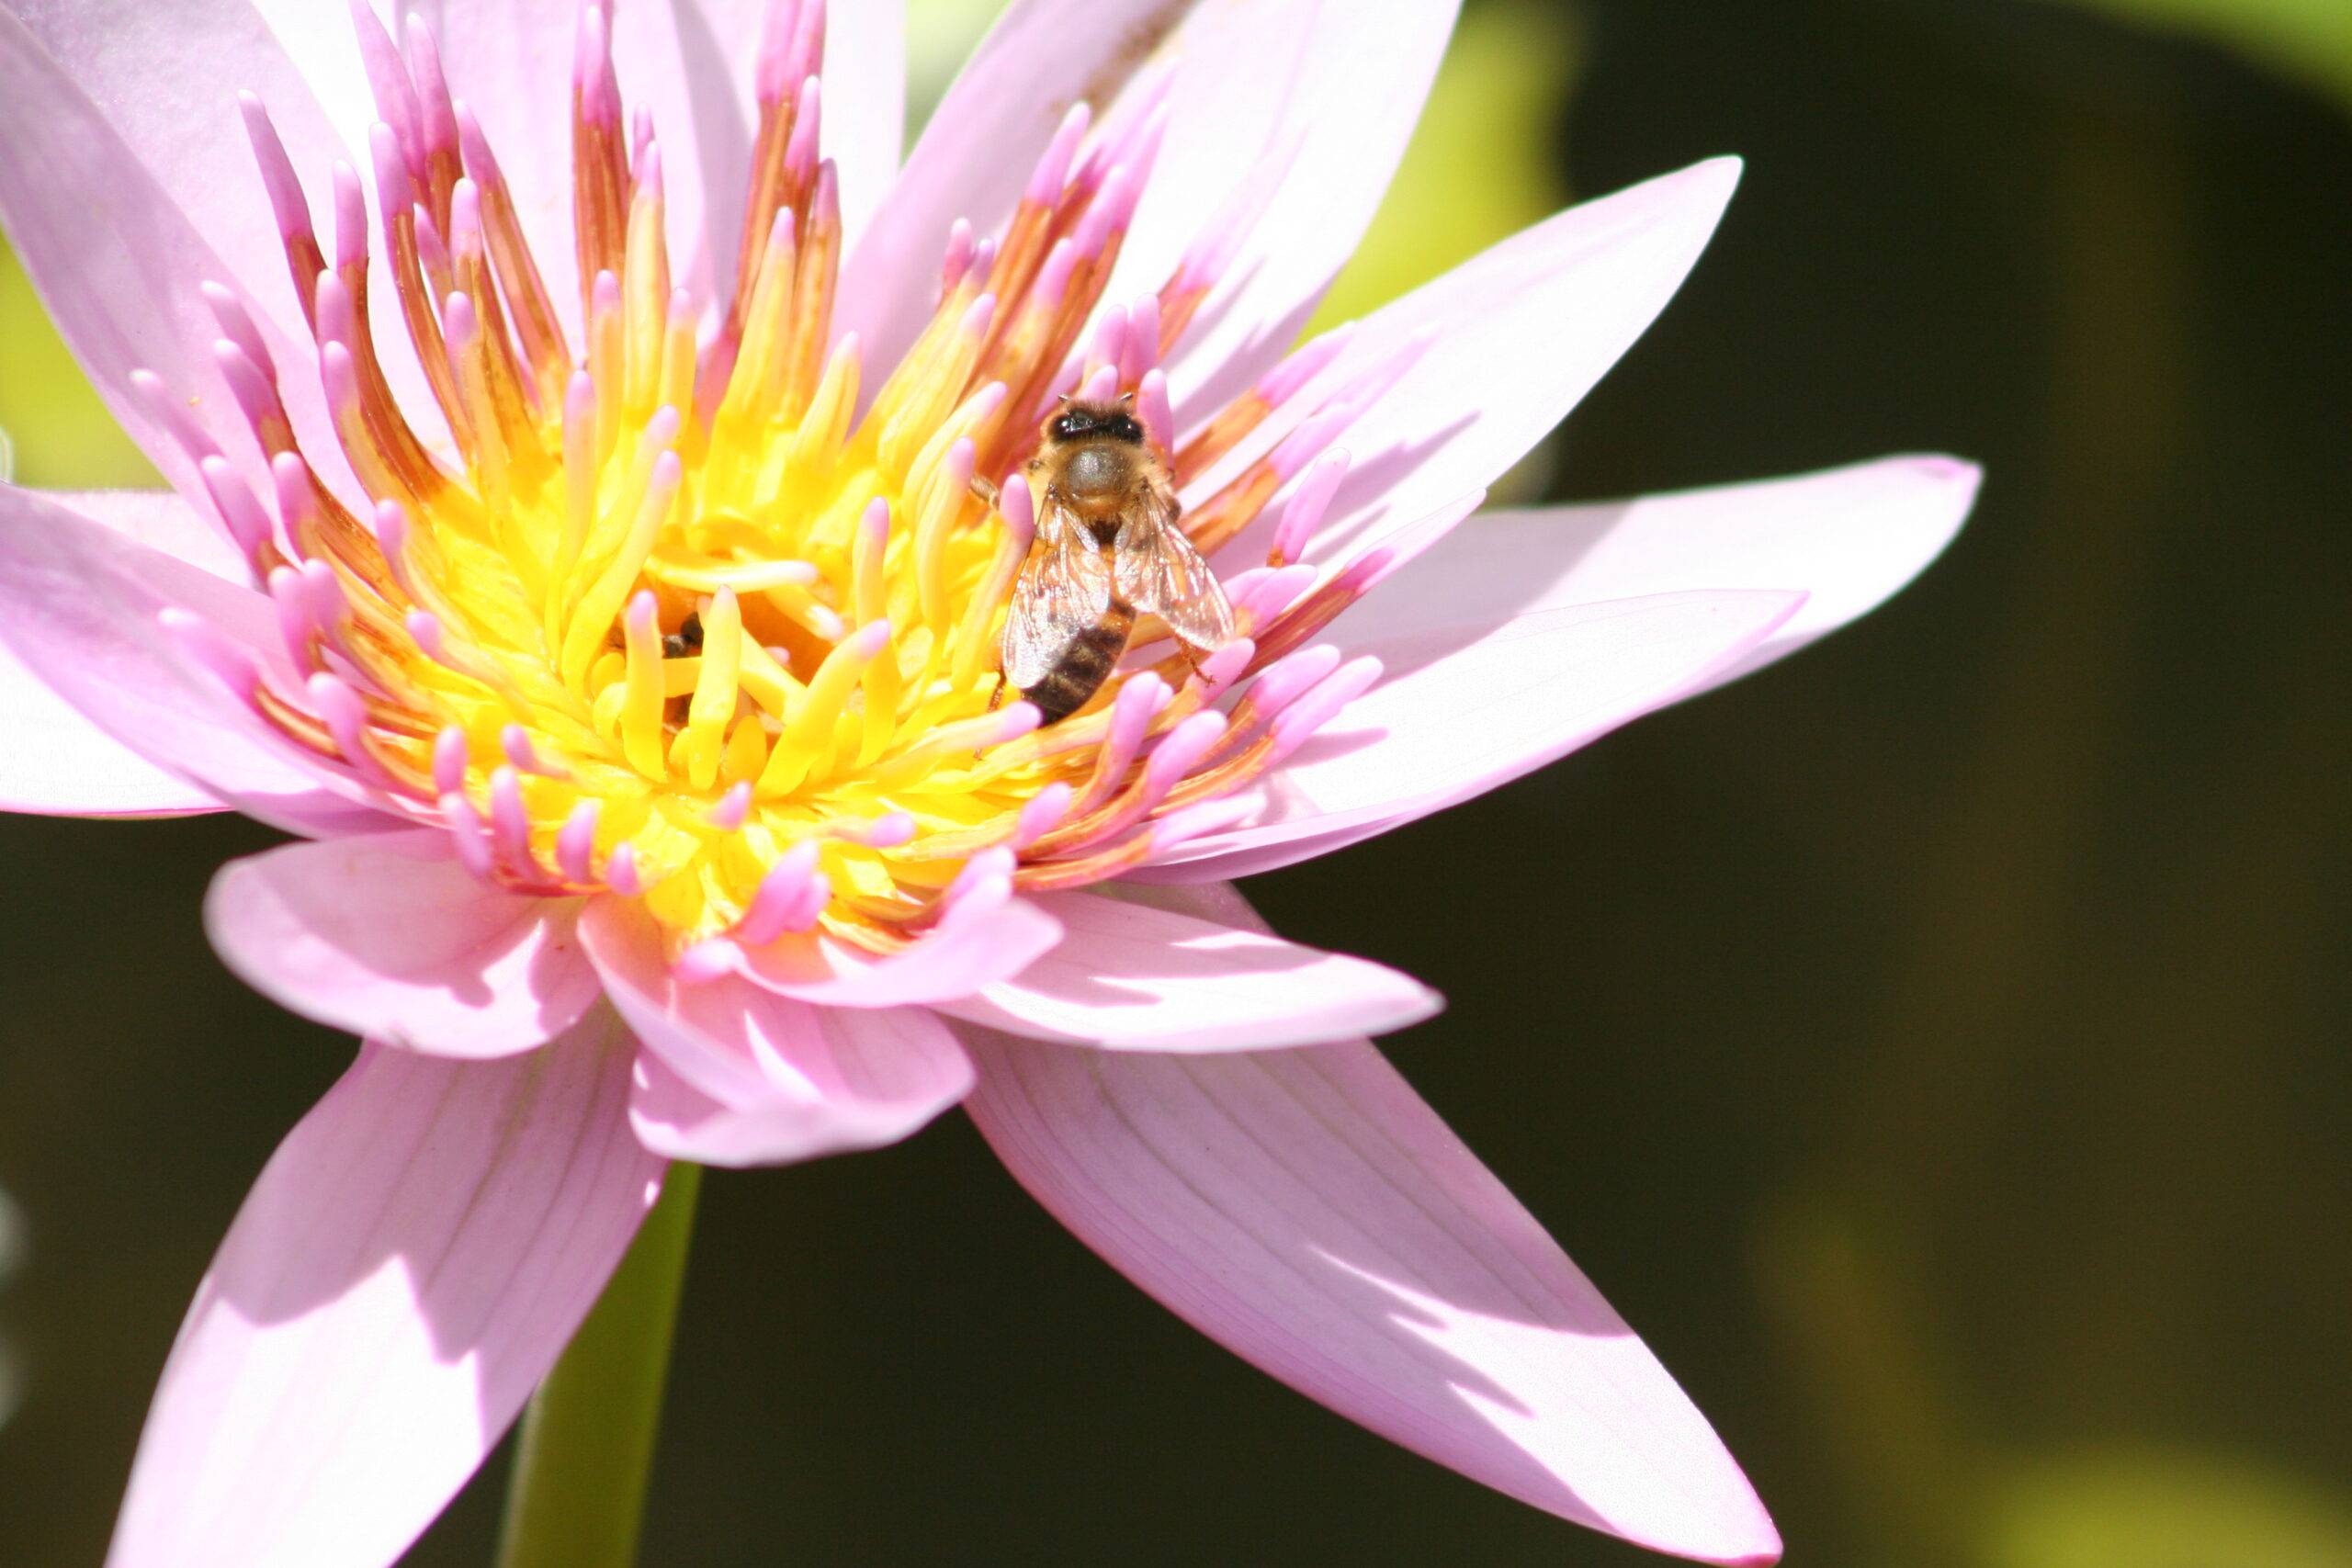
(1126, 399)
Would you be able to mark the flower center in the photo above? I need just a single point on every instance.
(700, 609)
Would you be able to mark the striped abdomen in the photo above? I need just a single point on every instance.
(1086, 662)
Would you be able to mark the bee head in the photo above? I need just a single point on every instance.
(1076, 420)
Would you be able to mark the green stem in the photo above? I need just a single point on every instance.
(578, 1490)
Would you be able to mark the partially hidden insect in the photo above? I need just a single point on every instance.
(1108, 550)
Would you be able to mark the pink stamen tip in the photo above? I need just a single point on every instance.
(648, 170)
(1053, 169)
(870, 639)
(449, 762)
(474, 148)
(1017, 506)
(1305, 507)
(995, 863)
(605, 294)
(1276, 591)
(875, 522)
(514, 742)
(297, 504)
(1304, 363)
(336, 323)
(962, 459)
(391, 530)
(661, 431)
(1280, 683)
(295, 624)
(257, 400)
(958, 255)
(1204, 816)
(425, 630)
(595, 91)
(977, 316)
(682, 308)
(510, 825)
(1175, 756)
(734, 807)
(712, 958)
(465, 219)
(203, 645)
(350, 216)
(621, 873)
(885, 832)
(640, 138)
(983, 257)
(1132, 711)
(1053, 279)
(241, 514)
(460, 325)
(283, 188)
(388, 81)
(431, 86)
(1153, 409)
(1224, 667)
(825, 205)
(642, 611)
(1110, 337)
(237, 325)
(395, 191)
(1015, 720)
(329, 608)
(172, 414)
(1100, 387)
(579, 402)
(800, 152)
(430, 251)
(790, 897)
(1143, 341)
(1322, 705)
(1109, 212)
(1042, 813)
(467, 835)
(340, 378)
(340, 709)
(575, 843)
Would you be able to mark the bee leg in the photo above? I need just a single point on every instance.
(986, 489)
(996, 696)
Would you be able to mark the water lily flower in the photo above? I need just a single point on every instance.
(573, 425)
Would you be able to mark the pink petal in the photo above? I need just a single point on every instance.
(1133, 977)
(942, 966)
(1849, 536)
(1467, 703)
(78, 606)
(56, 762)
(1344, 82)
(167, 76)
(1307, 1211)
(733, 1074)
(1515, 337)
(114, 257)
(407, 1267)
(390, 938)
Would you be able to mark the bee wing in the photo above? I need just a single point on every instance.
(1161, 573)
(1063, 588)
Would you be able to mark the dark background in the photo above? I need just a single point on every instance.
(1935, 1045)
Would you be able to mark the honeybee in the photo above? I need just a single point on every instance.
(1107, 550)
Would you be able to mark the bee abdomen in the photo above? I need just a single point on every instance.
(1084, 665)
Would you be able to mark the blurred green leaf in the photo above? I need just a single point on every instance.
(2153, 1508)
(64, 436)
(2310, 41)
